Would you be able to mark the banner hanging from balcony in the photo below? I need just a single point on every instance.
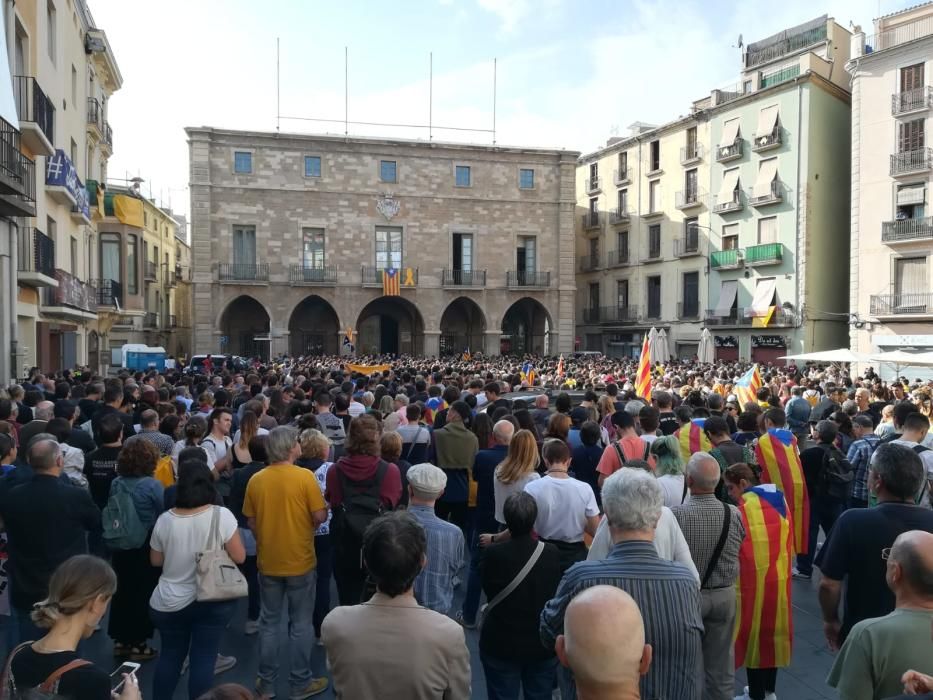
(763, 321)
(390, 282)
(95, 193)
(60, 172)
(128, 210)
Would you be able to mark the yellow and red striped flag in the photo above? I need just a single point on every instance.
(560, 366)
(746, 389)
(643, 376)
(764, 626)
(693, 439)
(777, 455)
(390, 282)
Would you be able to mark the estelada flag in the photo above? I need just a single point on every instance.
(390, 282)
(777, 455)
(643, 376)
(692, 438)
(746, 389)
(764, 628)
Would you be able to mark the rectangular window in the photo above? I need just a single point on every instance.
(388, 247)
(691, 235)
(594, 251)
(654, 241)
(110, 257)
(312, 166)
(691, 145)
(526, 254)
(242, 162)
(622, 293)
(526, 179)
(910, 277)
(388, 171)
(730, 237)
(244, 245)
(912, 77)
(312, 251)
(594, 205)
(767, 230)
(623, 202)
(74, 85)
(690, 301)
(654, 156)
(910, 136)
(594, 295)
(654, 196)
(51, 26)
(132, 265)
(463, 252)
(622, 245)
(51, 229)
(623, 164)
(74, 256)
(462, 176)
(691, 186)
(594, 171)
(654, 297)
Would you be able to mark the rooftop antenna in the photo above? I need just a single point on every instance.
(493, 101)
(346, 91)
(738, 43)
(430, 95)
(278, 90)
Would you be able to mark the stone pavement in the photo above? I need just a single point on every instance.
(805, 680)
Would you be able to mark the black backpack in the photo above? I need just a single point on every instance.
(360, 506)
(836, 475)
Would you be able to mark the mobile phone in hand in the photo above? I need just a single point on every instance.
(117, 677)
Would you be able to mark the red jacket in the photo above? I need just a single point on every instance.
(360, 468)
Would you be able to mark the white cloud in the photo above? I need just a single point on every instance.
(509, 12)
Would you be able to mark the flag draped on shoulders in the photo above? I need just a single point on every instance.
(777, 455)
(643, 376)
(763, 622)
(693, 438)
(746, 388)
(528, 373)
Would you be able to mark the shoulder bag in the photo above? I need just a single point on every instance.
(218, 578)
(717, 553)
(513, 584)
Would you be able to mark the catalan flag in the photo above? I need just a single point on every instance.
(560, 367)
(390, 282)
(643, 376)
(748, 385)
(692, 438)
(777, 455)
(466, 357)
(764, 628)
(348, 340)
(528, 373)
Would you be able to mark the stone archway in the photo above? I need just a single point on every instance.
(463, 326)
(313, 328)
(390, 326)
(241, 323)
(525, 328)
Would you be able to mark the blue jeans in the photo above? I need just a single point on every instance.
(824, 511)
(504, 679)
(193, 632)
(324, 551)
(273, 592)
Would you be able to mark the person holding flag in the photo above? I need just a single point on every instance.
(692, 436)
(643, 375)
(746, 388)
(560, 366)
(528, 373)
(348, 341)
(779, 459)
(764, 629)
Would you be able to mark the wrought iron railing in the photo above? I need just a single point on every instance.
(373, 276)
(919, 303)
(95, 115)
(36, 252)
(109, 293)
(618, 257)
(730, 151)
(464, 278)
(33, 105)
(313, 274)
(528, 278)
(911, 161)
(907, 230)
(243, 272)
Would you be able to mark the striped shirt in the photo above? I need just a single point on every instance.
(701, 521)
(859, 457)
(666, 594)
(434, 587)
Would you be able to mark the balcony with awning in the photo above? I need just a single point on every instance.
(729, 197)
(767, 188)
(768, 133)
(730, 145)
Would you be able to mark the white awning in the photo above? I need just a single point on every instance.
(730, 180)
(767, 172)
(911, 194)
(767, 120)
(730, 132)
(727, 295)
(764, 297)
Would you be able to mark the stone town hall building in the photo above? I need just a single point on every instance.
(290, 234)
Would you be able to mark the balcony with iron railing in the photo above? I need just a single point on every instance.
(591, 219)
(731, 205)
(36, 258)
(687, 246)
(779, 318)
(17, 175)
(372, 276)
(172, 321)
(71, 299)
(730, 151)
(304, 273)
(593, 184)
(691, 154)
(151, 320)
(726, 259)
(713, 319)
(618, 314)
(654, 252)
(775, 195)
(688, 199)
(787, 45)
(907, 230)
(589, 263)
(910, 162)
(911, 101)
(243, 272)
(618, 258)
(95, 117)
(528, 278)
(106, 138)
(151, 271)
(764, 254)
(36, 114)
(591, 315)
(905, 304)
(619, 216)
(688, 310)
(622, 177)
(768, 140)
(108, 293)
(464, 278)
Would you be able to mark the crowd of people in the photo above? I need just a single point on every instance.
(626, 546)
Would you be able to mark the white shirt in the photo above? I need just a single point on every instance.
(216, 448)
(259, 431)
(673, 489)
(180, 445)
(563, 507)
(502, 491)
(925, 457)
(356, 409)
(669, 542)
(180, 538)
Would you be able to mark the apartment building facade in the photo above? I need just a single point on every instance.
(64, 73)
(292, 234)
(892, 172)
(643, 222)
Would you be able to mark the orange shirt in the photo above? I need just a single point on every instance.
(632, 448)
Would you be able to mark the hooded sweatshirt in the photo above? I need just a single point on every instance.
(361, 468)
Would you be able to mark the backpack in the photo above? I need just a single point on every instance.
(122, 527)
(836, 475)
(361, 505)
(333, 428)
(164, 472)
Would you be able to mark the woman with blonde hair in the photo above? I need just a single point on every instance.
(79, 593)
(516, 470)
(606, 406)
(558, 426)
(669, 469)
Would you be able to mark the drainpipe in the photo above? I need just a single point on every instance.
(797, 308)
(12, 228)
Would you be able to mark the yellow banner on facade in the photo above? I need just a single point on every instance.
(763, 321)
(128, 210)
(368, 369)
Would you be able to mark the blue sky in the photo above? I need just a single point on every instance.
(570, 73)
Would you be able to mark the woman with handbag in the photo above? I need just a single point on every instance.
(195, 598)
(519, 577)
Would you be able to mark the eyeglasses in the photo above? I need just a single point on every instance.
(886, 553)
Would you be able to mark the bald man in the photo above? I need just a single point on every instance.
(42, 414)
(879, 650)
(604, 644)
(703, 519)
